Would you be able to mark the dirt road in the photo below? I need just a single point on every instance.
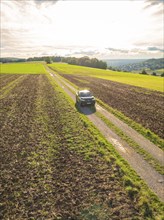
(153, 179)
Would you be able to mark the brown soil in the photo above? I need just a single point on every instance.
(141, 105)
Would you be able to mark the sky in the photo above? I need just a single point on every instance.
(109, 29)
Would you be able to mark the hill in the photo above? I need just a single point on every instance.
(150, 65)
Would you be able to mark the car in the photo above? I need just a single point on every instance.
(85, 97)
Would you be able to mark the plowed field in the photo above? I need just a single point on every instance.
(141, 105)
(50, 165)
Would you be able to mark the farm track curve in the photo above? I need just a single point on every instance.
(145, 171)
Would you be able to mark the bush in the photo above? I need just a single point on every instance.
(144, 72)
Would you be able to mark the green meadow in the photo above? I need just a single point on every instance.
(22, 68)
(145, 81)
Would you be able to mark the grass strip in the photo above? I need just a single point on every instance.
(149, 204)
(148, 157)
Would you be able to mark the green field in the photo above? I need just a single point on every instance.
(145, 81)
(22, 68)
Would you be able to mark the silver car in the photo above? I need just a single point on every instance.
(85, 97)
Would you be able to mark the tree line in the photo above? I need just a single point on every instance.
(83, 61)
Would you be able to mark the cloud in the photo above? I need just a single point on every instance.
(160, 11)
(148, 43)
(36, 27)
(87, 53)
(151, 3)
(154, 2)
(79, 53)
(155, 49)
(45, 2)
(117, 50)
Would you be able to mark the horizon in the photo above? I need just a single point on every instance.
(101, 29)
(88, 56)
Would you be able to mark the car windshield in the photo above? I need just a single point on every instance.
(85, 94)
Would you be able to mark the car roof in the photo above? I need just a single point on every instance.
(85, 91)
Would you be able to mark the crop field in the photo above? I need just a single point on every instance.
(22, 68)
(144, 81)
(54, 163)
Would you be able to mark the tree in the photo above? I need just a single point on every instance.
(144, 72)
(48, 60)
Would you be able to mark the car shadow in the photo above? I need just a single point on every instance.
(85, 110)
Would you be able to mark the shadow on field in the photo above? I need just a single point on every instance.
(86, 110)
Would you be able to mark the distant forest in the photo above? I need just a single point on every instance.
(83, 61)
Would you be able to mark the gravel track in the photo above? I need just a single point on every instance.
(153, 179)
